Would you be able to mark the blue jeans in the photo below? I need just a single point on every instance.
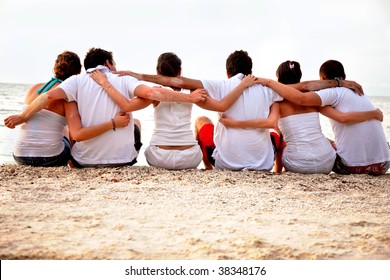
(59, 160)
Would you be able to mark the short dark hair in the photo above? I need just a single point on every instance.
(168, 64)
(289, 72)
(67, 64)
(239, 62)
(96, 56)
(332, 69)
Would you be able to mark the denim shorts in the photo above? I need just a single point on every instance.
(59, 160)
(372, 169)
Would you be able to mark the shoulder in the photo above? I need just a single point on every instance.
(216, 87)
(210, 83)
(336, 92)
(330, 96)
(70, 87)
(34, 88)
(127, 81)
(326, 92)
(267, 91)
(72, 80)
(31, 93)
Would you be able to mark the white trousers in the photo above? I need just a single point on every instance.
(174, 159)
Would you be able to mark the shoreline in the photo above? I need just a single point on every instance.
(143, 212)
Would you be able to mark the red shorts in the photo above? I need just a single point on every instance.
(276, 140)
(206, 141)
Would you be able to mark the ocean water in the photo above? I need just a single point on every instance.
(12, 102)
(12, 99)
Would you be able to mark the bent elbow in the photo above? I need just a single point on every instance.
(148, 94)
(343, 119)
(50, 96)
(128, 108)
(222, 108)
(77, 138)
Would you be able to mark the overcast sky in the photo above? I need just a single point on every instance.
(202, 32)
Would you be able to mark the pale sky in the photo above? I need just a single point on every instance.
(202, 33)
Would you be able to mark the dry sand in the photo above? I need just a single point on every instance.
(149, 213)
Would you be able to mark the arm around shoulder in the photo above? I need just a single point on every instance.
(125, 104)
(314, 85)
(168, 95)
(291, 94)
(323, 84)
(351, 117)
(230, 99)
(36, 105)
(177, 82)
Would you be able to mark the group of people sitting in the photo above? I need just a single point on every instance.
(263, 125)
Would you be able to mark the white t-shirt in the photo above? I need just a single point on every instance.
(173, 124)
(358, 144)
(95, 107)
(41, 136)
(238, 148)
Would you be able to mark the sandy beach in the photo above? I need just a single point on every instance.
(149, 213)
